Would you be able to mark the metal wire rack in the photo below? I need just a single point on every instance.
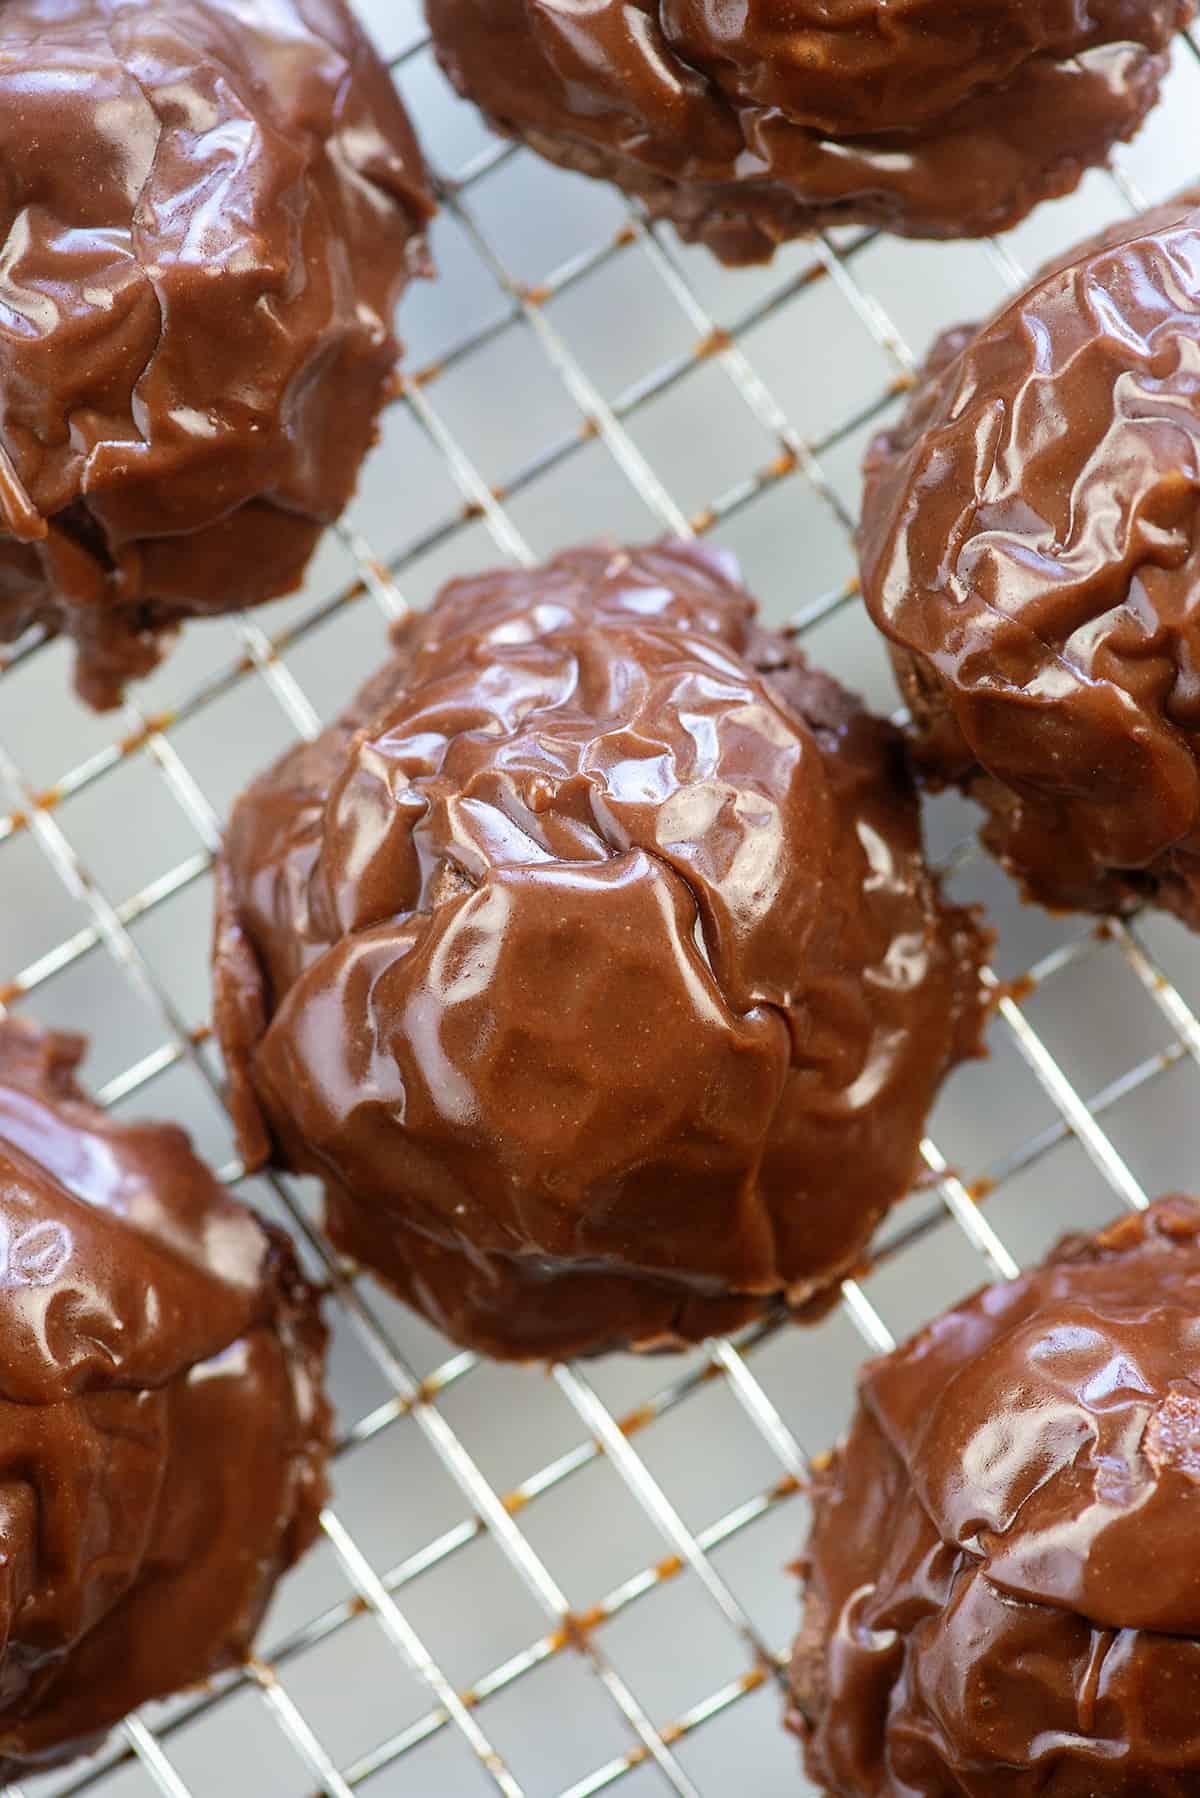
(569, 1583)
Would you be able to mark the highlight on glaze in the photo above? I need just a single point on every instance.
(749, 124)
(1029, 545)
(592, 961)
(162, 1426)
(1001, 1586)
(196, 338)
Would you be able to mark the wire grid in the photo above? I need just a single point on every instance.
(943, 1239)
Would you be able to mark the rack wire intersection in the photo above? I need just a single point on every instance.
(1081, 1111)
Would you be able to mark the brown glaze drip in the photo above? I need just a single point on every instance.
(162, 1429)
(1003, 1590)
(1029, 546)
(195, 338)
(593, 962)
(746, 125)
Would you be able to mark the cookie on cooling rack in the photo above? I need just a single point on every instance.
(747, 125)
(162, 1428)
(1002, 1585)
(195, 333)
(592, 961)
(1029, 545)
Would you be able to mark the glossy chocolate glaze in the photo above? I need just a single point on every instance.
(1029, 545)
(207, 216)
(1003, 1590)
(592, 961)
(746, 125)
(162, 1429)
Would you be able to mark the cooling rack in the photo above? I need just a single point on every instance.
(572, 1581)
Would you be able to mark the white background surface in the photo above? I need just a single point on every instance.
(827, 352)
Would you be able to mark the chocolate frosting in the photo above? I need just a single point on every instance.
(1029, 545)
(207, 216)
(750, 124)
(1003, 1589)
(592, 961)
(162, 1428)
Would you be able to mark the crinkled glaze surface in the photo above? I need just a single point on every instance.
(749, 124)
(162, 1427)
(1003, 1589)
(1029, 544)
(592, 961)
(208, 212)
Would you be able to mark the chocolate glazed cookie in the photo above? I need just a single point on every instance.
(1003, 1590)
(1029, 545)
(746, 125)
(207, 216)
(592, 962)
(162, 1428)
